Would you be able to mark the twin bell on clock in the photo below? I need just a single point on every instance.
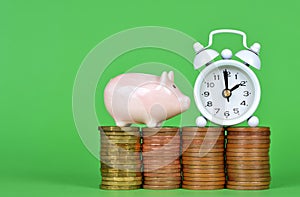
(227, 92)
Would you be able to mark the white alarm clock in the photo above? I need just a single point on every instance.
(227, 92)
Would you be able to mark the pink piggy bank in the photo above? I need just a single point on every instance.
(143, 98)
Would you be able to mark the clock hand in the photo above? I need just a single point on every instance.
(227, 93)
(225, 74)
(235, 87)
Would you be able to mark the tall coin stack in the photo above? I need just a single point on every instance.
(247, 155)
(120, 158)
(161, 163)
(203, 158)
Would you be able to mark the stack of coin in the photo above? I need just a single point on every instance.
(161, 163)
(120, 157)
(247, 158)
(203, 158)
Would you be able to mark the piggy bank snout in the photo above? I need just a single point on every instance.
(185, 103)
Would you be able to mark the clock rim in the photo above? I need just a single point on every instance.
(210, 116)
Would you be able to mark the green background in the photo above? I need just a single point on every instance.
(44, 42)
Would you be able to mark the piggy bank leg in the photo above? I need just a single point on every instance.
(253, 121)
(152, 124)
(201, 121)
(122, 123)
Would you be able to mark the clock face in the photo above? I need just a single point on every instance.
(227, 92)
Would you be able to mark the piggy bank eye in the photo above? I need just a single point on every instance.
(174, 86)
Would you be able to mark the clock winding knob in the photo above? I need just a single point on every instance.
(226, 54)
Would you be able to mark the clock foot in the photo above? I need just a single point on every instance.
(201, 121)
(253, 121)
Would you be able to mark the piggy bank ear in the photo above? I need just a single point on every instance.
(171, 76)
(163, 78)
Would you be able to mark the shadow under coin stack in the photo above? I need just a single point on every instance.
(120, 158)
(161, 163)
(247, 155)
(203, 158)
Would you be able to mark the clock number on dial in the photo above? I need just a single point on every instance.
(236, 110)
(209, 104)
(206, 94)
(217, 110)
(246, 93)
(228, 73)
(226, 114)
(243, 103)
(243, 83)
(210, 84)
(236, 76)
(216, 77)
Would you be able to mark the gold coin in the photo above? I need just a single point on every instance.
(156, 174)
(247, 162)
(120, 157)
(187, 130)
(230, 146)
(205, 179)
(203, 162)
(202, 150)
(231, 141)
(248, 150)
(120, 141)
(252, 137)
(162, 183)
(248, 183)
(248, 167)
(248, 175)
(203, 155)
(249, 129)
(121, 174)
(247, 158)
(203, 171)
(203, 158)
(120, 148)
(120, 154)
(212, 175)
(148, 178)
(161, 187)
(119, 137)
(114, 170)
(115, 187)
(251, 179)
(202, 187)
(121, 183)
(117, 179)
(188, 138)
(124, 167)
(161, 129)
(238, 171)
(202, 146)
(119, 162)
(238, 187)
(202, 183)
(118, 129)
(237, 154)
(162, 168)
(203, 166)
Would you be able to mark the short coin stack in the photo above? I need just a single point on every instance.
(247, 158)
(120, 158)
(203, 158)
(161, 163)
